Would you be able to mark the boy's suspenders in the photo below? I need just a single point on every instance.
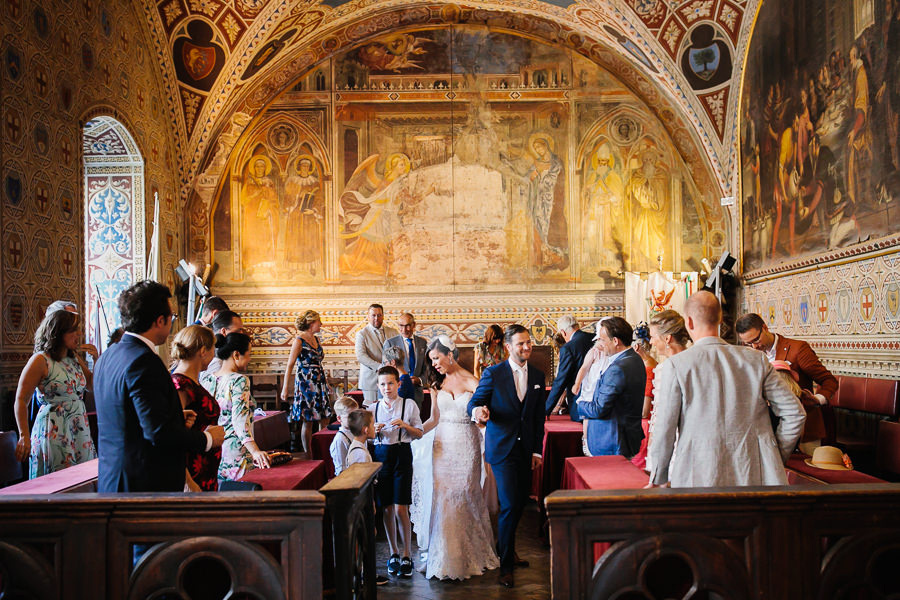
(402, 414)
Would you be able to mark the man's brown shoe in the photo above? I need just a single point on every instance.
(506, 579)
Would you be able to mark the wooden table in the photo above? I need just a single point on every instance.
(80, 478)
(271, 431)
(602, 473)
(320, 449)
(562, 439)
(295, 475)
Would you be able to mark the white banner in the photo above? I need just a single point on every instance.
(649, 293)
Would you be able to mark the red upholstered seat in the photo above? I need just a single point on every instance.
(875, 399)
(797, 462)
(888, 449)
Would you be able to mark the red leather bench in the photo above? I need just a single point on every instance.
(875, 399)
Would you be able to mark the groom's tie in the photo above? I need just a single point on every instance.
(519, 377)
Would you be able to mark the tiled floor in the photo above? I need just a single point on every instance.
(532, 583)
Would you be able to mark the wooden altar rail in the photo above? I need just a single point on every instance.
(350, 502)
(265, 546)
(779, 543)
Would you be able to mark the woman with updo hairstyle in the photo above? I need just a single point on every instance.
(668, 335)
(310, 403)
(451, 499)
(60, 436)
(231, 389)
(193, 349)
(490, 351)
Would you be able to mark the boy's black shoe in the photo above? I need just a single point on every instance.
(381, 580)
(394, 565)
(406, 567)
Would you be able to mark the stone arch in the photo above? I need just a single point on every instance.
(114, 213)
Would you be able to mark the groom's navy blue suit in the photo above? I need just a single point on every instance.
(515, 431)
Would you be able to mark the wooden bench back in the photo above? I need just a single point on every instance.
(736, 543)
(85, 546)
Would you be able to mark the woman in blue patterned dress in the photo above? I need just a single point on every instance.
(231, 389)
(311, 392)
(61, 436)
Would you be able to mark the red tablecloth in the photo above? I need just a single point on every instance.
(602, 473)
(320, 449)
(271, 431)
(562, 439)
(295, 475)
(81, 475)
(797, 462)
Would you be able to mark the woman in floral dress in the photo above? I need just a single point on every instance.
(231, 389)
(490, 351)
(61, 436)
(193, 348)
(311, 392)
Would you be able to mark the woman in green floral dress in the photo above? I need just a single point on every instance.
(60, 436)
(231, 389)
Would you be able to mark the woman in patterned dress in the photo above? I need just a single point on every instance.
(61, 436)
(311, 392)
(193, 348)
(490, 351)
(231, 389)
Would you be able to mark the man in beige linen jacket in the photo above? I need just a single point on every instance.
(714, 396)
(369, 342)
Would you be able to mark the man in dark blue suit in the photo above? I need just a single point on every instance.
(510, 400)
(571, 355)
(142, 434)
(614, 412)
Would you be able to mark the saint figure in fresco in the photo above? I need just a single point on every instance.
(859, 140)
(547, 203)
(260, 213)
(603, 196)
(304, 216)
(369, 211)
(646, 193)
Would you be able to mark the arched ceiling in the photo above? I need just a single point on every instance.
(223, 60)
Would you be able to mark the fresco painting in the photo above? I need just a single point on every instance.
(462, 157)
(820, 143)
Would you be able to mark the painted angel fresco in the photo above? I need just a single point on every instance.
(369, 212)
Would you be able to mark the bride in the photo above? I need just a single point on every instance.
(449, 511)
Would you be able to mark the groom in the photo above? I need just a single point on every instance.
(510, 400)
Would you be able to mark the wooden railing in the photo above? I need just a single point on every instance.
(349, 498)
(265, 546)
(828, 542)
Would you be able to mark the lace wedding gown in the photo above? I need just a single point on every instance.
(449, 511)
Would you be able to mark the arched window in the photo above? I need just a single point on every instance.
(113, 221)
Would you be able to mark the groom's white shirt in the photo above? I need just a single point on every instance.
(520, 372)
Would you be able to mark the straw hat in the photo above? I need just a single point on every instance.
(830, 458)
(783, 365)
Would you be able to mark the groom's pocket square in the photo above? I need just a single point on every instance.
(537, 387)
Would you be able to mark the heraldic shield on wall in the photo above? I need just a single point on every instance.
(459, 158)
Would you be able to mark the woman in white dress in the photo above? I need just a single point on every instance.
(449, 511)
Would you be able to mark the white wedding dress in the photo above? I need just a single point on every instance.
(449, 511)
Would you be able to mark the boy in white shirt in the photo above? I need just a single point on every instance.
(397, 423)
(361, 424)
(343, 438)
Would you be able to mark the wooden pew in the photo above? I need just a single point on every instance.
(88, 546)
(736, 543)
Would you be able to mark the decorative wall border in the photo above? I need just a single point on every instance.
(827, 259)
